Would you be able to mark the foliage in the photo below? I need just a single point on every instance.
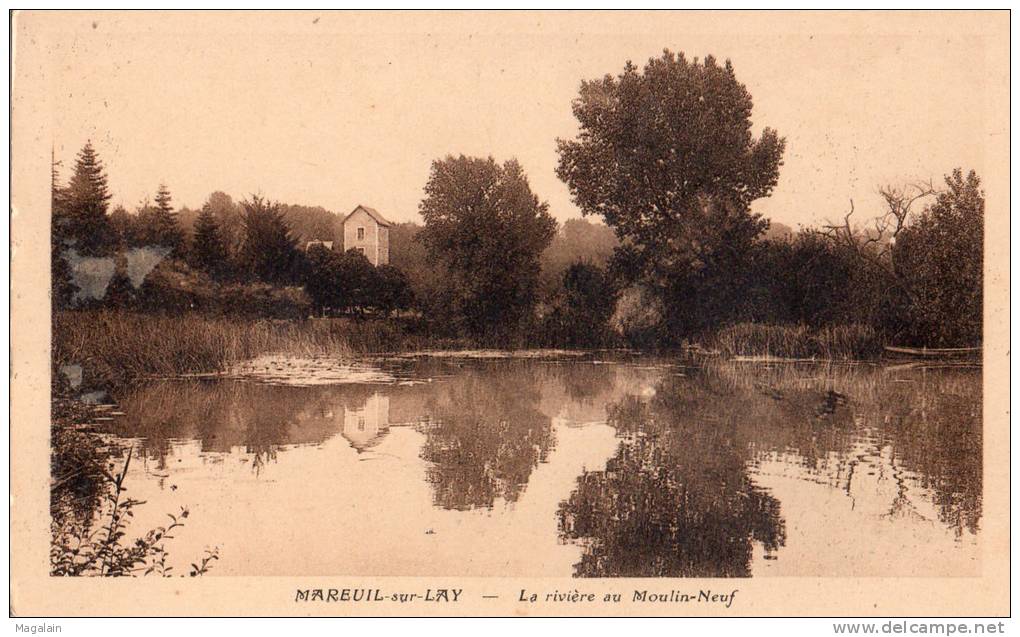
(580, 315)
(80, 218)
(310, 223)
(269, 251)
(637, 317)
(62, 288)
(940, 256)
(392, 290)
(208, 250)
(577, 240)
(85, 548)
(162, 225)
(324, 279)
(174, 288)
(666, 156)
(229, 220)
(488, 229)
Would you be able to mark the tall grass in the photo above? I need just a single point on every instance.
(843, 342)
(116, 347)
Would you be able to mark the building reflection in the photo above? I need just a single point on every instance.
(365, 425)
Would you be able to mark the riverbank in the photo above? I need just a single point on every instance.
(106, 349)
(841, 342)
(113, 348)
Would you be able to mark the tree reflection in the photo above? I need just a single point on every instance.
(485, 437)
(675, 501)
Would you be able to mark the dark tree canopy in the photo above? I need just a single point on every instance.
(483, 223)
(269, 252)
(940, 256)
(667, 157)
(208, 251)
(654, 144)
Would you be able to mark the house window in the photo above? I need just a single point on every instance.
(361, 233)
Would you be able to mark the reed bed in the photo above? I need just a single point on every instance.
(115, 347)
(843, 342)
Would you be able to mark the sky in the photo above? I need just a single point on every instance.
(341, 109)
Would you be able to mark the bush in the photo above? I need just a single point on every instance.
(580, 313)
(638, 317)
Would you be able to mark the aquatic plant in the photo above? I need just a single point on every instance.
(117, 347)
(841, 342)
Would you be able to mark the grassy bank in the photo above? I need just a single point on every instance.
(116, 347)
(844, 342)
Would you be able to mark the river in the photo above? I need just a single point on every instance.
(559, 464)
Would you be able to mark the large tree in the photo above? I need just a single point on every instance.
(81, 218)
(488, 229)
(666, 155)
(268, 252)
(940, 258)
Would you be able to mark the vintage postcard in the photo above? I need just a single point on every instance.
(509, 313)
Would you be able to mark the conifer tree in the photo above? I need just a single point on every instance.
(83, 221)
(166, 230)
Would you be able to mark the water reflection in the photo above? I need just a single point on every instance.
(485, 436)
(596, 468)
(675, 501)
(684, 495)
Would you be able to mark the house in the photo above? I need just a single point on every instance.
(368, 231)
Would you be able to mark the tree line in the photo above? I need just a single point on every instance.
(666, 156)
(242, 248)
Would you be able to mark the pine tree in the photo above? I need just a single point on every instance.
(83, 220)
(208, 252)
(166, 231)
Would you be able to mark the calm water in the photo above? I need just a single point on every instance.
(606, 467)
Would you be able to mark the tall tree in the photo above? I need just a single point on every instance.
(483, 222)
(82, 220)
(269, 252)
(940, 256)
(667, 157)
(162, 224)
(208, 252)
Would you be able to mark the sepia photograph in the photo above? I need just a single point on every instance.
(510, 313)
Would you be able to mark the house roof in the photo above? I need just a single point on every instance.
(372, 212)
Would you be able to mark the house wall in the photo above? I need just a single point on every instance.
(361, 219)
(384, 245)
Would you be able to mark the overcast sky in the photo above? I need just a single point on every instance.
(332, 109)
